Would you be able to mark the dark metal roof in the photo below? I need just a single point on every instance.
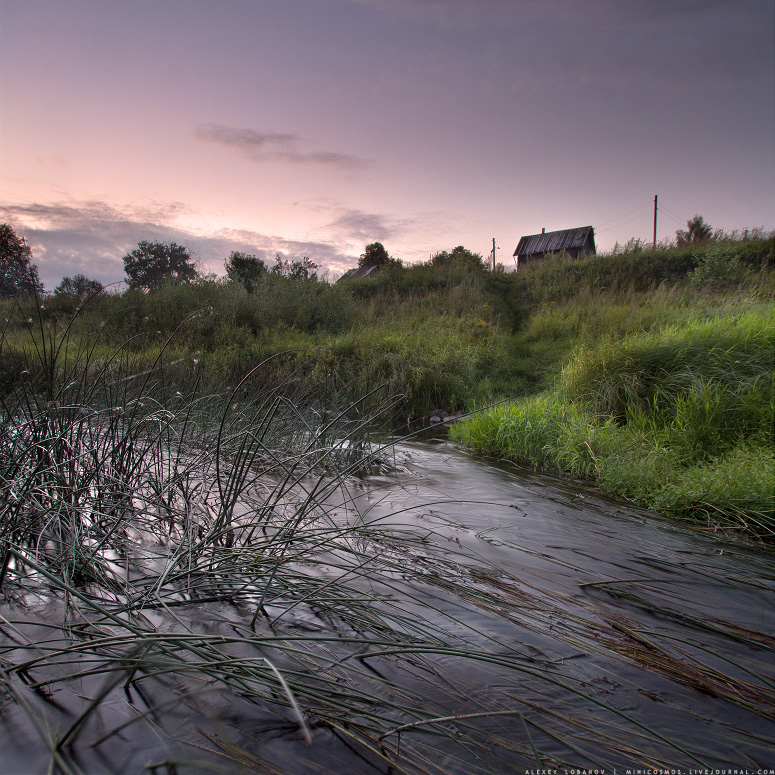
(555, 241)
(359, 272)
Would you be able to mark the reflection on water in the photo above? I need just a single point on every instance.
(671, 624)
(564, 629)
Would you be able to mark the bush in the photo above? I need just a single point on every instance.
(720, 267)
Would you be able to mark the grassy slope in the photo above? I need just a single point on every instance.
(666, 396)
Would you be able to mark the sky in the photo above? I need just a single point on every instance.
(314, 127)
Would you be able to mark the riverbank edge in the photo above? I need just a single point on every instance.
(679, 421)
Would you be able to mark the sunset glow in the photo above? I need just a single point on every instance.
(313, 128)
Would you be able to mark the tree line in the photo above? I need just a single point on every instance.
(152, 265)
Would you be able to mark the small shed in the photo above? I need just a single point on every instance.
(575, 242)
(359, 273)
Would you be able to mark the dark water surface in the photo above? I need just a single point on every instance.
(596, 635)
(674, 627)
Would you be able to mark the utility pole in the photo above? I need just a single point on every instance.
(655, 221)
(493, 254)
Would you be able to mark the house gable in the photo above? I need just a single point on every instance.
(359, 272)
(575, 242)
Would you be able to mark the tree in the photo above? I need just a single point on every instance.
(376, 255)
(18, 275)
(152, 264)
(696, 231)
(459, 256)
(244, 269)
(295, 270)
(79, 285)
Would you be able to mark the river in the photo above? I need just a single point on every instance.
(572, 631)
(671, 626)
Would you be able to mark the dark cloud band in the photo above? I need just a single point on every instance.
(273, 146)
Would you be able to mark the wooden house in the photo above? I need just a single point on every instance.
(574, 242)
(359, 273)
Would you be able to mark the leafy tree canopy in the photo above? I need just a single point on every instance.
(696, 231)
(244, 269)
(153, 264)
(79, 285)
(458, 256)
(295, 270)
(376, 255)
(18, 275)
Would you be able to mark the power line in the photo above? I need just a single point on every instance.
(682, 221)
(662, 209)
(624, 223)
(640, 207)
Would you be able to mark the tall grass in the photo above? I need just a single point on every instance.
(680, 419)
(680, 368)
(440, 351)
(448, 337)
(561, 278)
(125, 496)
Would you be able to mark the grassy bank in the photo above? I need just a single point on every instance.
(438, 345)
(665, 396)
